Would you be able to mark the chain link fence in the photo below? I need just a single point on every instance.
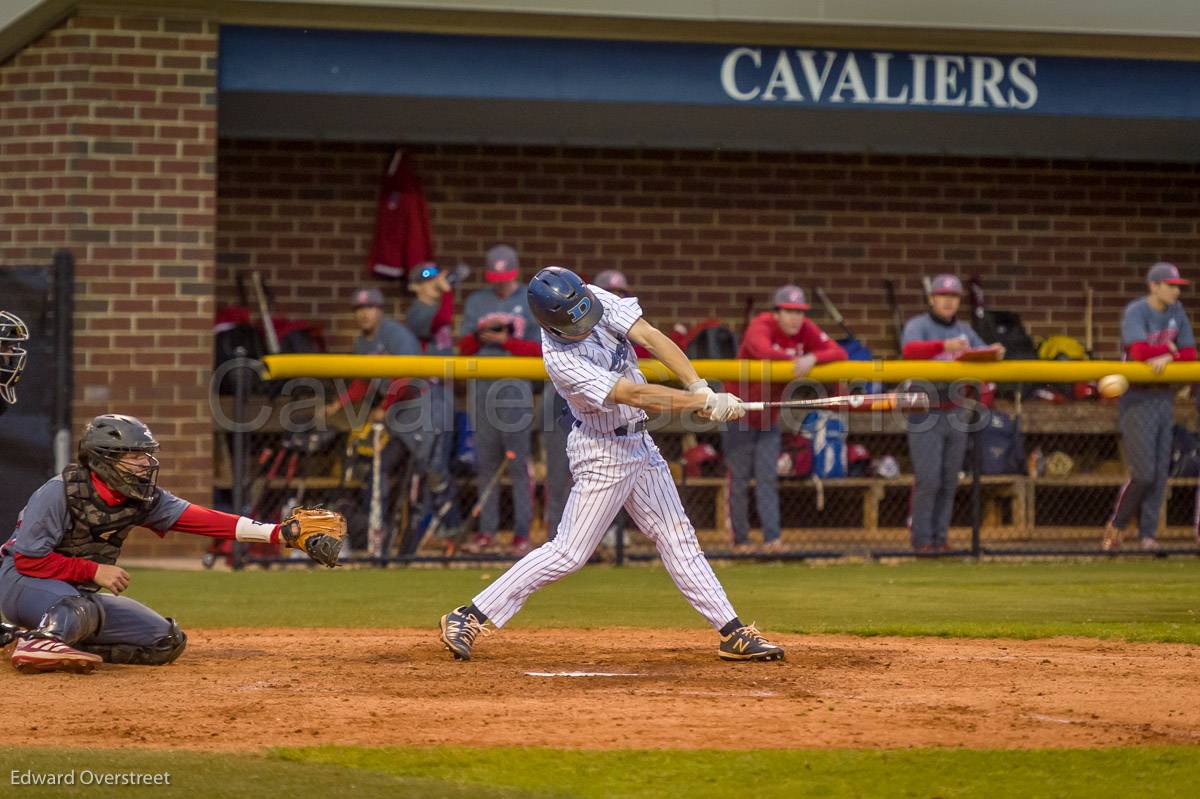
(1050, 476)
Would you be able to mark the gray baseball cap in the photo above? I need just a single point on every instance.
(791, 297)
(367, 296)
(501, 264)
(946, 284)
(1163, 272)
(612, 280)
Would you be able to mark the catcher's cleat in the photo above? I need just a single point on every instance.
(8, 633)
(1112, 539)
(459, 630)
(747, 643)
(32, 655)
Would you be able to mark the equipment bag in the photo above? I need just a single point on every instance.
(827, 434)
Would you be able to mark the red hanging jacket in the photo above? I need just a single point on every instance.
(403, 237)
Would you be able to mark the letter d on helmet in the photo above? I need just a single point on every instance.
(563, 304)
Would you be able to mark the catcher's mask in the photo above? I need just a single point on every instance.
(13, 333)
(120, 449)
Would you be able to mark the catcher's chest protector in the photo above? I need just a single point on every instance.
(97, 530)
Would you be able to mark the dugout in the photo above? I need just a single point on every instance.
(711, 156)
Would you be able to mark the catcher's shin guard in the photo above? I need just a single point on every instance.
(163, 651)
(70, 620)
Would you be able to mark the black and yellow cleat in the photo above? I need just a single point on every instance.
(747, 643)
(459, 630)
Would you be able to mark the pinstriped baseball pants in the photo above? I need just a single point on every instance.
(612, 472)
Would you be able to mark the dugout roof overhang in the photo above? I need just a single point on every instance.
(298, 83)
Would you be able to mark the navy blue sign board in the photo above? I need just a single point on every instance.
(377, 63)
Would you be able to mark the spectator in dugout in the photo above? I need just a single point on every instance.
(752, 444)
(403, 405)
(1155, 330)
(937, 438)
(497, 323)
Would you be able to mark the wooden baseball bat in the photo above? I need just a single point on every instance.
(1088, 294)
(265, 313)
(833, 312)
(851, 402)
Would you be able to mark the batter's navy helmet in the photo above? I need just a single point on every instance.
(563, 304)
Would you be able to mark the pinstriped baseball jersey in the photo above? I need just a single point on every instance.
(584, 372)
(611, 471)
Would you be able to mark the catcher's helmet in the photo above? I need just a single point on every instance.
(13, 333)
(109, 438)
(563, 304)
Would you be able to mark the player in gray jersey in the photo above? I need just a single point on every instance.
(66, 545)
(587, 340)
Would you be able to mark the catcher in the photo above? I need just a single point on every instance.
(68, 539)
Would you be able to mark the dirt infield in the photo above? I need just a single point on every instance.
(250, 689)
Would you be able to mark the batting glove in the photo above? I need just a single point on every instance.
(723, 407)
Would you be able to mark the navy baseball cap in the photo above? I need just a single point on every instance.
(1163, 272)
(501, 264)
(946, 284)
(791, 297)
(367, 296)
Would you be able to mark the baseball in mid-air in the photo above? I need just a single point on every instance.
(1113, 385)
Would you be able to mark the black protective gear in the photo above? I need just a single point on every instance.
(163, 651)
(70, 620)
(97, 529)
(112, 436)
(563, 304)
(8, 633)
(13, 333)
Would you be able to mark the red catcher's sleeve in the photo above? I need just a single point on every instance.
(924, 350)
(198, 520)
(1186, 354)
(1141, 351)
(55, 566)
(819, 345)
(756, 344)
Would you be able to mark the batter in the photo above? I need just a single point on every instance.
(587, 346)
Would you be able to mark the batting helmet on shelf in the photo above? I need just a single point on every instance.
(563, 304)
(105, 443)
(13, 334)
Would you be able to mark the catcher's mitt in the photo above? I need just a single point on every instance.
(317, 531)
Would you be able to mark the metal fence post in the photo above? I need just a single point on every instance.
(621, 545)
(239, 449)
(976, 476)
(64, 304)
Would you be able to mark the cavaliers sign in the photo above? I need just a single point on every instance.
(799, 77)
(830, 77)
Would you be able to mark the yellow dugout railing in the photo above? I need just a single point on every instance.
(282, 367)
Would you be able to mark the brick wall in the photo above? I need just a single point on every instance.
(108, 147)
(700, 233)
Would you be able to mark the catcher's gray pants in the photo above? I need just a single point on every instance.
(25, 599)
(1147, 420)
(757, 451)
(937, 443)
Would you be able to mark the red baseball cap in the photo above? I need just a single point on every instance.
(501, 264)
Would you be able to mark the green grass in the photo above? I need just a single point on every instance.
(366, 773)
(789, 773)
(1133, 600)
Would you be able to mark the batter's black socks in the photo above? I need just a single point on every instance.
(479, 615)
(734, 624)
